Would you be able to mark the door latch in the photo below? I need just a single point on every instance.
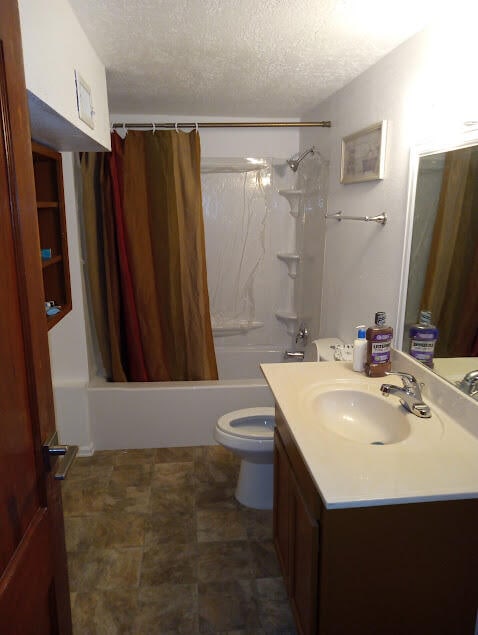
(52, 448)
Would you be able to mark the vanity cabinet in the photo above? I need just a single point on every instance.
(405, 569)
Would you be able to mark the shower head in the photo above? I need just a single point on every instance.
(294, 163)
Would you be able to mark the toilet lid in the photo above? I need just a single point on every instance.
(253, 426)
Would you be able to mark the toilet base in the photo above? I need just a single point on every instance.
(255, 486)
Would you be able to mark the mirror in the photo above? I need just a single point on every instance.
(442, 258)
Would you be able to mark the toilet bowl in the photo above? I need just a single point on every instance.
(249, 433)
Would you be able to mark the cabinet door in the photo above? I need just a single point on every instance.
(304, 556)
(296, 538)
(282, 507)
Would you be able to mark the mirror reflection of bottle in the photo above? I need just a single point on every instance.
(423, 337)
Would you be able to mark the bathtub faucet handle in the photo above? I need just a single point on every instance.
(302, 335)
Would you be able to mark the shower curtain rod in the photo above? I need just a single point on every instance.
(229, 124)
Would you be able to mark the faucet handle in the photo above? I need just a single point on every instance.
(302, 335)
(409, 381)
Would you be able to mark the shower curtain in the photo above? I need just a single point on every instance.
(146, 260)
(450, 290)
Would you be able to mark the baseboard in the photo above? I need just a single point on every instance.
(86, 450)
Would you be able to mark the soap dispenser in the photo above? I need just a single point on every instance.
(360, 349)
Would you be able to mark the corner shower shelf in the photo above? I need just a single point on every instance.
(290, 320)
(293, 197)
(234, 327)
(291, 260)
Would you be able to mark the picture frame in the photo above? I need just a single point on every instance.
(363, 154)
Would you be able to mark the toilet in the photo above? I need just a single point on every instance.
(322, 350)
(249, 433)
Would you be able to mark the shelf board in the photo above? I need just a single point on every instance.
(46, 204)
(290, 320)
(51, 320)
(48, 262)
(291, 260)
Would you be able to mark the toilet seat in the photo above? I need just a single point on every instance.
(249, 423)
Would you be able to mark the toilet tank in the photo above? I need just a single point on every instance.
(321, 350)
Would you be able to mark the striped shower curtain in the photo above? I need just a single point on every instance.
(146, 259)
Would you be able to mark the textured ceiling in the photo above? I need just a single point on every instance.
(275, 58)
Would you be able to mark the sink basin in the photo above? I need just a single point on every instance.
(361, 416)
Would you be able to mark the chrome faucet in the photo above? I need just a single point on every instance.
(409, 394)
(469, 383)
(302, 335)
(295, 355)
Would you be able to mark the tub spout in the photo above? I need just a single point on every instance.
(295, 355)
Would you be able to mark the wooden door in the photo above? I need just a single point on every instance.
(33, 583)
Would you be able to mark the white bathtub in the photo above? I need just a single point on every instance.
(168, 414)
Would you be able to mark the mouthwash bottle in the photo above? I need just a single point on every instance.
(379, 344)
(423, 337)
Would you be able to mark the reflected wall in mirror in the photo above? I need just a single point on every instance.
(443, 265)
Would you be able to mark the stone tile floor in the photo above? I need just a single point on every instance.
(157, 544)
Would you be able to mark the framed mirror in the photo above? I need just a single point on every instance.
(440, 260)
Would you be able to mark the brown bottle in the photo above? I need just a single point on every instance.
(379, 343)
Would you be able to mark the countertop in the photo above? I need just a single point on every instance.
(432, 463)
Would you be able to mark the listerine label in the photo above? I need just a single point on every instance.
(380, 349)
(422, 349)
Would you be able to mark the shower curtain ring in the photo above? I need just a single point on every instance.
(197, 128)
(154, 128)
(124, 129)
(176, 127)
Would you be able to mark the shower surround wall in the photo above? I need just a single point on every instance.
(246, 225)
(94, 414)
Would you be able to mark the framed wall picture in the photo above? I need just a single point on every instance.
(363, 154)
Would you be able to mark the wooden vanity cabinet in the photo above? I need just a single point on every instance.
(409, 569)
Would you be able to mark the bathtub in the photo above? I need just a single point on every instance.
(177, 413)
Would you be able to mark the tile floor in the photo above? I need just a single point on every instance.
(158, 544)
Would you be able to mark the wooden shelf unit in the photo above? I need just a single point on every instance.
(52, 227)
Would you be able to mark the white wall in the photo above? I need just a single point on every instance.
(68, 342)
(426, 90)
(54, 46)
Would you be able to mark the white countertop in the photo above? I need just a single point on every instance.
(437, 461)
